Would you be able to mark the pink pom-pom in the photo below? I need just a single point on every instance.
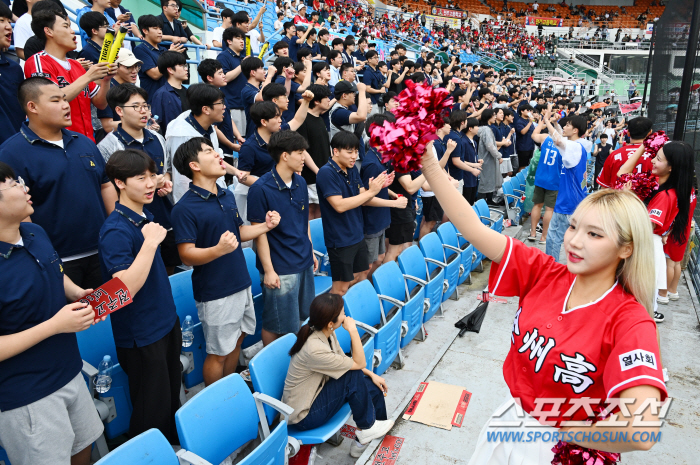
(643, 184)
(572, 454)
(418, 117)
(654, 142)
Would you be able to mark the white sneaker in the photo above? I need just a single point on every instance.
(662, 300)
(356, 449)
(673, 296)
(379, 429)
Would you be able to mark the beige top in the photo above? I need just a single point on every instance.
(310, 369)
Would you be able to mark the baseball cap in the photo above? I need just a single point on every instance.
(345, 87)
(126, 57)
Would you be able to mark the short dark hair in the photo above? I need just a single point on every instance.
(240, 18)
(272, 91)
(187, 153)
(170, 60)
(285, 141)
(250, 64)
(208, 68)
(502, 98)
(320, 92)
(323, 32)
(484, 91)
(30, 89)
(303, 53)
(348, 41)
(400, 47)
(127, 163)
(344, 67)
(378, 119)
(525, 107)
(6, 171)
(45, 18)
(227, 13)
(457, 118)
(371, 54)
(149, 21)
(409, 63)
(344, 140)
(579, 123)
(318, 67)
(263, 111)
(337, 41)
(279, 46)
(603, 136)
(120, 95)
(471, 123)
(6, 13)
(639, 127)
(282, 62)
(232, 33)
(417, 77)
(202, 95)
(333, 55)
(287, 25)
(92, 20)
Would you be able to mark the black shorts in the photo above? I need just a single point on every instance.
(524, 157)
(432, 211)
(168, 250)
(401, 233)
(346, 261)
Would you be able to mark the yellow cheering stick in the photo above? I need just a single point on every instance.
(109, 38)
(117, 45)
(263, 50)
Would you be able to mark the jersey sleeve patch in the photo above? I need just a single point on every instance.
(655, 212)
(637, 358)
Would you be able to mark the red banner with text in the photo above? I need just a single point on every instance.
(538, 21)
(448, 13)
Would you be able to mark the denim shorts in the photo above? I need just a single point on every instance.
(287, 306)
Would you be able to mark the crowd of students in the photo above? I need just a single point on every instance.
(125, 171)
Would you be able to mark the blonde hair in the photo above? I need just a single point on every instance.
(626, 221)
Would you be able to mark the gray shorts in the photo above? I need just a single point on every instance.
(52, 429)
(238, 118)
(224, 320)
(375, 247)
(313, 194)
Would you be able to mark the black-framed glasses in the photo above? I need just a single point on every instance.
(138, 107)
(218, 103)
(19, 182)
(135, 67)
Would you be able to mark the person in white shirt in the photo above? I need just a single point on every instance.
(279, 23)
(23, 29)
(256, 37)
(218, 32)
(535, 6)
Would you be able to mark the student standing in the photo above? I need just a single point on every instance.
(601, 154)
(147, 332)
(12, 76)
(170, 100)
(230, 59)
(524, 127)
(208, 230)
(253, 71)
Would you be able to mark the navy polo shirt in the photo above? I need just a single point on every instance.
(32, 293)
(339, 229)
(200, 218)
(373, 79)
(151, 315)
(290, 247)
(226, 127)
(149, 55)
(293, 46)
(11, 113)
(254, 157)
(315, 49)
(229, 61)
(107, 112)
(376, 219)
(248, 95)
(166, 104)
(469, 148)
(523, 142)
(506, 151)
(291, 110)
(65, 186)
(161, 207)
(91, 51)
(455, 172)
(198, 127)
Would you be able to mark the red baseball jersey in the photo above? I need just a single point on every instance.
(608, 174)
(676, 250)
(43, 65)
(663, 209)
(595, 350)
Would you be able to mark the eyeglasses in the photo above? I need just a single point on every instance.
(139, 108)
(218, 103)
(19, 182)
(132, 67)
(174, 5)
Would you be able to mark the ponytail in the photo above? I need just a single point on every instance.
(324, 309)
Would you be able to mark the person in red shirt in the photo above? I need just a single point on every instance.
(81, 87)
(639, 128)
(675, 250)
(582, 331)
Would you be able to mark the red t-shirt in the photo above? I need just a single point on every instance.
(43, 65)
(608, 174)
(676, 250)
(663, 209)
(595, 350)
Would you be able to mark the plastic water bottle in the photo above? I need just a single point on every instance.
(104, 375)
(326, 260)
(187, 335)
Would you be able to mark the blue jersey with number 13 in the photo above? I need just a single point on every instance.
(549, 167)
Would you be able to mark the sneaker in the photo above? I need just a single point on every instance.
(379, 429)
(538, 228)
(662, 300)
(659, 317)
(542, 242)
(356, 449)
(673, 296)
(532, 238)
(245, 374)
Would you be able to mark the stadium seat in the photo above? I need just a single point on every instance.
(322, 278)
(448, 235)
(3, 457)
(413, 263)
(521, 176)
(362, 304)
(150, 448)
(258, 303)
(392, 289)
(367, 338)
(486, 218)
(513, 209)
(268, 370)
(225, 416)
(181, 287)
(434, 252)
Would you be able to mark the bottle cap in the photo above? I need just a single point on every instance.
(107, 358)
(188, 318)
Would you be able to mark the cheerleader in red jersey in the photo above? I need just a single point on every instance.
(582, 330)
(669, 206)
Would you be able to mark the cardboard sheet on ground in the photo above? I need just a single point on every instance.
(438, 404)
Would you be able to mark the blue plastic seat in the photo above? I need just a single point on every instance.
(448, 235)
(3, 457)
(413, 263)
(434, 252)
(367, 344)
(362, 304)
(148, 448)
(226, 415)
(181, 287)
(486, 217)
(322, 278)
(390, 284)
(513, 209)
(258, 301)
(268, 371)
(521, 176)
(94, 343)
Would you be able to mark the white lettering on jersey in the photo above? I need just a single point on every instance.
(575, 372)
(618, 156)
(535, 344)
(655, 212)
(516, 326)
(637, 358)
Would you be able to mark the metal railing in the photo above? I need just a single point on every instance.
(603, 45)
